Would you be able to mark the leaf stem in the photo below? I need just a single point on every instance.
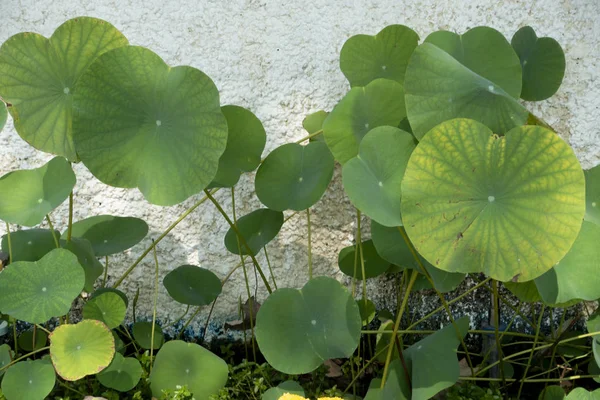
(310, 264)
(70, 228)
(537, 332)
(154, 307)
(52, 230)
(10, 255)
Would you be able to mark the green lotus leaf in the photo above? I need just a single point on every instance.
(106, 307)
(367, 311)
(87, 259)
(374, 264)
(123, 374)
(38, 77)
(119, 343)
(592, 195)
(379, 103)
(543, 63)
(29, 380)
(188, 364)
(294, 177)
(376, 393)
(582, 394)
(6, 357)
(365, 58)
(574, 277)
(510, 206)
(313, 123)
(26, 341)
(372, 179)
(525, 291)
(31, 194)
(37, 291)
(390, 245)
(82, 349)
(594, 369)
(258, 228)
(192, 285)
(109, 234)
(141, 123)
(3, 115)
(122, 295)
(30, 244)
(276, 392)
(552, 393)
(439, 88)
(296, 330)
(245, 144)
(142, 333)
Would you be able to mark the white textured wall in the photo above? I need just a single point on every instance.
(280, 60)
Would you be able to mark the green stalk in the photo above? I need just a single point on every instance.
(537, 332)
(70, 228)
(10, 257)
(16, 360)
(154, 308)
(269, 265)
(52, 230)
(310, 264)
(105, 271)
(496, 322)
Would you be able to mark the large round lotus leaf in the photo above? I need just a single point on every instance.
(87, 259)
(109, 234)
(29, 380)
(543, 62)
(258, 228)
(3, 115)
(35, 192)
(38, 78)
(142, 333)
(365, 58)
(26, 341)
(582, 394)
(294, 177)
(313, 123)
(188, 364)
(37, 291)
(245, 144)
(192, 285)
(122, 295)
(510, 207)
(592, 195)
(575, 277)
(291, 387)
(123, 374)
(82, 349)
(158, 128)
(379, 103)
(391, 246)
(107, 307)
(372, 179)
(374, 264)
(30, 244)
(297, 330)
(6, 356)
(439, 87)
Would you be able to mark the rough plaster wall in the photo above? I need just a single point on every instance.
(280, 60)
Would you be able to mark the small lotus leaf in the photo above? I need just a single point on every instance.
(245, 144)
(592, 195)
(484, 85)
(297, 330)
(582, 394)
(158, 128)
(37, 291)
(29, 380)
(28, 195)
(313, 123)
(525, 291)
(379, 103)
(372, 179)
(6, 356)
(294, 177)
(258, 228)
(365, 58)
(82, 349)
(188, 364)
(142, 333)
(192, 285)
(391, 246)
(26, 342)
(552, 393)
(291, 387)
(87, 259)
(510, 206)
(123, 374)
(122, 295)
(109, 234)
(106, 307)
(38, 77)
(367, 310)
(543, 63)
(348, 260)
(30, 244)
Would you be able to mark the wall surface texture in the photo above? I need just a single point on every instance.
(280, 59)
